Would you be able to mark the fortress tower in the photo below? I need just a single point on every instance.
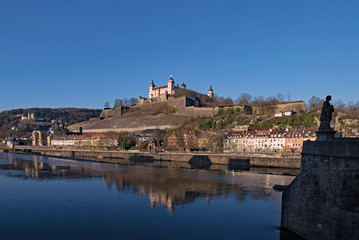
(151, 93)
(170, 85)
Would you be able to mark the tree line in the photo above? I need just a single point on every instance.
(350, 109)
(125, 102)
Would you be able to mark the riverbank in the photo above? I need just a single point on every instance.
(230, 159)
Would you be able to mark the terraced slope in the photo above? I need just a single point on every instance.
(138, 119)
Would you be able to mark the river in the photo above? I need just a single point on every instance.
(58, 198)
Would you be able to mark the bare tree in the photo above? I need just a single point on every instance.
(352, 109)
(228, 101)
(106, 105)
(204, 99)
(126, 102)
(289, 97)
(216, 143)
(280, 97)
(243, 99)
(315, 103)
(339, 105)
(272, 100)
(258, 99)
(133, 101)
(180, 141)
(116, 103)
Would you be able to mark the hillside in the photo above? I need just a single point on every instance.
(173, 114)
(180, 113)
(158, 115)
(12, 124)
(227, 120)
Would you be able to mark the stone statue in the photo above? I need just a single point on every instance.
(326, 115)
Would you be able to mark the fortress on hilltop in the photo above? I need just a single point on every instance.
(168, 107)
(163, 93)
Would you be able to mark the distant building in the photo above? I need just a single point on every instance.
(61, 142)
(28, 116)
(276, 140)
(294, 141)
(18, 142)
(97, 140)
(41, 136)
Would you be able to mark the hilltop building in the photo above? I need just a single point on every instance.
(165, 92)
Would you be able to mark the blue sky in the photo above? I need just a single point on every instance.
(82, 53)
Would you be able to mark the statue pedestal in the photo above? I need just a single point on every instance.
(325, 135)
(322, 202)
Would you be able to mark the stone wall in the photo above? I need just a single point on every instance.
(323, 201)
(133, 129)
(113, 112)
(212, 158)
(298, 106)
(185, 106)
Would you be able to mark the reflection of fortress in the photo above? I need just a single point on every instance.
(161, 198)
(171, 187)
(164, 186)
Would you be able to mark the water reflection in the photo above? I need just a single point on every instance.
(172, 187)
(166, 183)
(142, 200)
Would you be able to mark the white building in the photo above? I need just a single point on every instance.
(65, 142)
(285, 113)
(252, 141)
(276, 140)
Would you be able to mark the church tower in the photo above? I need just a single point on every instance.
(210, 92)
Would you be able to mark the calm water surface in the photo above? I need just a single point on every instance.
(57, 198)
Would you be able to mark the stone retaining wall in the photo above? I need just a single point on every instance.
(323, 201)
(212, 158)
